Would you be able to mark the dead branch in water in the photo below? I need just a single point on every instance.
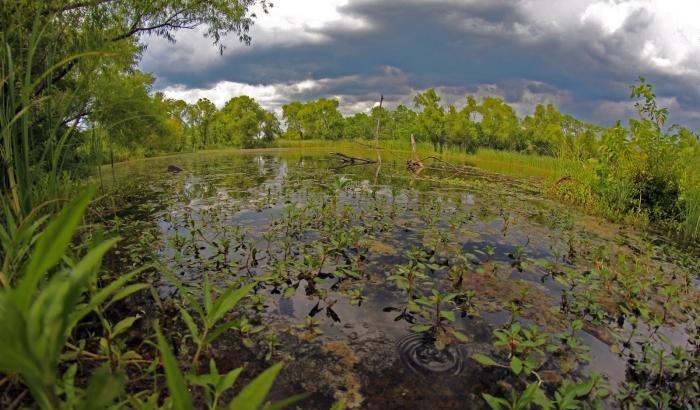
(451, 165)
(352, 160)
(414, 166)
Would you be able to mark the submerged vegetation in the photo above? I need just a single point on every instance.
(262, 279)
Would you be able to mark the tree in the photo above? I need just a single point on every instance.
(126, 111)
(315, 119)
(403, 121)
(380, 115)
(358, 126)
(270, 127)
(242, 122)
(290, 112)
(59, 52)
(201, 115)
(499, 124)
(543, 130)
(459, 130)
(430, 121)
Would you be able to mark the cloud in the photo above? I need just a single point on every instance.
(578, 54)
(395, 85)
(285, 25)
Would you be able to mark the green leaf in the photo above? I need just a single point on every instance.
(227, 301)
(541, 399)
(448, 314)
(338, 405)
(51, 246)
(227, 381)
(219, 330)
(179, 394)
(516, 365)
(496, 403)
(207, 295)
(484, 360)
(527, 397)
(421, 328)
(460, 336)
(191, 326)
(127, 291)
(289, 292)
(284, 403)
(577, 324)
(124, 325)
(253, 395)
(103, 389)
(449, 297)
(515, 327)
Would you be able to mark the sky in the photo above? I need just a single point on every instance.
(580, 55)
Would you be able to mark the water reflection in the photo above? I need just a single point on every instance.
(324, 242)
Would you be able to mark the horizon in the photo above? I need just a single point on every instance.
(356, 50)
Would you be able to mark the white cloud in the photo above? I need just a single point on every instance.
(665, 35)
(289, 22)
(601, 44)
(270, 96)
(523, 97)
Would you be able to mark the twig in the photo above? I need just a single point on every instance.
(352, 160)
(440, 160)
(17, 400)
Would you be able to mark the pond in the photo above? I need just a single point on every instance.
(386, 289)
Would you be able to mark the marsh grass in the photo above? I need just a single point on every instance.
(50, 263)
(504, 162)
(691, 218)
(573, 181)
(33, 157)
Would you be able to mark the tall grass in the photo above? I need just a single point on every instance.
(47, 288)
(691, 217)
(32, 164)
(505, 162)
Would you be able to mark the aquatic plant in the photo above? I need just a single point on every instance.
(209, 313)
(440, 328)
(251, 397)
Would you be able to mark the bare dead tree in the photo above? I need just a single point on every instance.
(379, 121)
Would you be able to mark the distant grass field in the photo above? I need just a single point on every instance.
(504, 162)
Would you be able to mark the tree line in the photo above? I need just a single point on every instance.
(158, 124)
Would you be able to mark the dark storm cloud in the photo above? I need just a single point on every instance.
(458, 47)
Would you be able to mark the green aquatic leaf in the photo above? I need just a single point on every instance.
(448, 314)
(460, 336)
(516, 365)
(496, 403)
(484, 360)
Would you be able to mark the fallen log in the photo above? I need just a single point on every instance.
(352, 160)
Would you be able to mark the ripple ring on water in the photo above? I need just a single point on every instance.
(418, 352)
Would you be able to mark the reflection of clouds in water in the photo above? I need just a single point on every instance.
(468, 199)
(215, 183)
(261, 164)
